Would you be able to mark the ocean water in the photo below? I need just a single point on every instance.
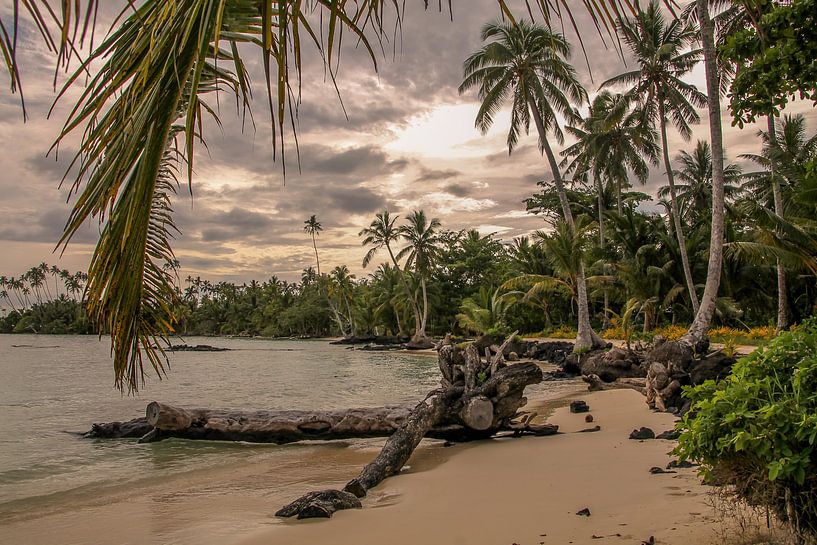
(56, 487)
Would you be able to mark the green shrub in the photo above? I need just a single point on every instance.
(755, 431)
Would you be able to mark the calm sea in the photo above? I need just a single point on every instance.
(56, 487)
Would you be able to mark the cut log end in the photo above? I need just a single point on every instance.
(167, 417)
(478, 413)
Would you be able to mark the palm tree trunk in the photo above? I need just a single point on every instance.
(782, 311)
(586, 338)
(317, 260)
(606, 322)
(703, 318)
(414, 306)
(676, 215)
(425, 307)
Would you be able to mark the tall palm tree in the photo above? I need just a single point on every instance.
(313, 227)
(612, 142)
(694, 189)
(527, 63)
(660, 48)
(421, 254)
(382, 233)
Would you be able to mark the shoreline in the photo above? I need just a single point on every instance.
(527, 491)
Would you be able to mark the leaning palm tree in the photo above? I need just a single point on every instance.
(313, 228)
(527, 63)
(382, 233)
(421, 253)
(660, 48)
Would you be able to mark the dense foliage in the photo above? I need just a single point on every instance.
(756, 430)
(776, 57)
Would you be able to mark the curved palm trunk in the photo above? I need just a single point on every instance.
(317, 260)
(424, 321)
(676, 215)
(586, 338)
(606, 322)
(782, 311)
(418, 327)
(703, 318)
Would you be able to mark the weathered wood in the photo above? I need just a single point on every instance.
(478, 413)
(167, 417)
(594, 384)
(478, 399)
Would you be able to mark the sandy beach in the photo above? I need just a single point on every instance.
(527, 491)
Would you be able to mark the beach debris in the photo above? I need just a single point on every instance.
(659, 470)
(596, 384)
(579, 406)
(669, 434)
(583, 512)
(590, 430)
(588, 418)
(479, 397)
(197, 348)
(649, 541)
(680, 464)
(642, 433)
(319, 504)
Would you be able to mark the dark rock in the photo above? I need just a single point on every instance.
(669, 434)
(715, 367)
(588, 418)
(584, 512)
(610, 365)
(680, 464)
(642, 433)
(579, 406)
(555, 352)
(197, 348)
(657, 470)
(590, 430)
(513, 356)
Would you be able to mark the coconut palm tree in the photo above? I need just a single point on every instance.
(661, 50)
(313, 228)
(146, 85)
(421, 253)
(527, 64)
(694, 189)
(382, 233)
(612, 142)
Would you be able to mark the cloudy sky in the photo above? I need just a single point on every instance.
(408, 143)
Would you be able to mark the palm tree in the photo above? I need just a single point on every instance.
(694, 192)
(381, 233)
(485, 311)
(313, 227)
(527, 63)
(421, 254)
(612, 142)
(660, 49)
(127, 119)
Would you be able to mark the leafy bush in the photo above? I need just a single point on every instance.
(671, 332)
(756, 430)
(562, 332)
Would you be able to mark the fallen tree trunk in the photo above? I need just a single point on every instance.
(478, 399)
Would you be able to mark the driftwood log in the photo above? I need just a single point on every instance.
(480, 396)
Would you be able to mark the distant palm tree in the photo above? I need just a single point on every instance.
(660, 48)
(612, 142)
(527, 64)
(694, 192)
(382, 233)
(484, 312)
(313, 227)
(421, 254)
